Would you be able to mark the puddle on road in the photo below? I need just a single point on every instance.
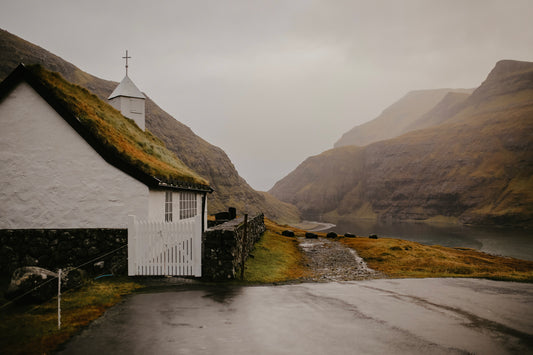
(222, 294)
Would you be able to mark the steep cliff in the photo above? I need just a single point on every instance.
(209, 161)
(476, 166)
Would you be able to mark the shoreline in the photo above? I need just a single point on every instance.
(313, 226)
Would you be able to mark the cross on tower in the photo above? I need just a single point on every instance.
(126, 57)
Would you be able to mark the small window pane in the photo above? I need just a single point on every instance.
(188, 205)
(168, 206)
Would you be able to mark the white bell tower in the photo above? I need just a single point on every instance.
(128, 99)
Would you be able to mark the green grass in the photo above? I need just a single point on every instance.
(33, 329)
(276, 259)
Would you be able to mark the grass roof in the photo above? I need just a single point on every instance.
(118, 135)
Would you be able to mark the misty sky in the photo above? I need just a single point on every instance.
(273, 82)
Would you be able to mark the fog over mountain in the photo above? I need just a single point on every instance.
(474, 164)
(273, 82)
(401, 117)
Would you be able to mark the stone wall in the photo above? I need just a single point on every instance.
(59, 248)
(222, 248)
(224, 245)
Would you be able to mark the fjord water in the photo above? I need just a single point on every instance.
(513, 242)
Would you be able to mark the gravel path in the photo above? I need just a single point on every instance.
(332, 261)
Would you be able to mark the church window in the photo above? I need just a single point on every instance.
(168, 206)
(188, 205)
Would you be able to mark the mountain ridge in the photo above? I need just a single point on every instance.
(474, 167)
(398, 118)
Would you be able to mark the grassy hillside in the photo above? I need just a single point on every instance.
(399, 118)
(476, 167)
(207, 160)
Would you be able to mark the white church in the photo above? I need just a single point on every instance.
(56, 174)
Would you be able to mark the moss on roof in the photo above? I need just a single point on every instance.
(119, 135)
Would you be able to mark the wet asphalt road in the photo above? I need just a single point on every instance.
(412, 316)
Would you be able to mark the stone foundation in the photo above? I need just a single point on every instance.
(59, 248)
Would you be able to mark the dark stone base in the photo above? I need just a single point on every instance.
(60, 248)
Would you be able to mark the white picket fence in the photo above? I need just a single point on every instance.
(165, 248)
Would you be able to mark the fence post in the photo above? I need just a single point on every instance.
(132, 240)
(59, 300)
(244, 241)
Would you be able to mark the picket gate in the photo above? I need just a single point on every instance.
(165, 248)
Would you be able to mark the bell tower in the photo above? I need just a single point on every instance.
(128, 99)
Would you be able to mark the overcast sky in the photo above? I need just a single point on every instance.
(273, 82)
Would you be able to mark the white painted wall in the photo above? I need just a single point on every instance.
(51, 178)
(156, 210)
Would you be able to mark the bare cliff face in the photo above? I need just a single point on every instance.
(209, 161)
(474, 164)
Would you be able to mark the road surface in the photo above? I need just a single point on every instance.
(410, 316)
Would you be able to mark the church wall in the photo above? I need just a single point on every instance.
(52, 178)
(157, 205)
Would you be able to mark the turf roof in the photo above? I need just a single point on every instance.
(116, 138)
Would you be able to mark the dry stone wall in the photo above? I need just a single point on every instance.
(223, 248)
(225, 244)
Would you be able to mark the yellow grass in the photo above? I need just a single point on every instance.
(401, 258)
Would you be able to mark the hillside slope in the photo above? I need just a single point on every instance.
(476, 167)
(209, 161)
(398, 118)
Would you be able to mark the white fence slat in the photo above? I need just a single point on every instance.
(165, 248)
(131, 246)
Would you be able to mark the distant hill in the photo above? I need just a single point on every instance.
(206, 159)
(474, 164)
(399, 118)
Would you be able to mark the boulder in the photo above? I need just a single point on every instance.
(288, 233)
(41, 284)
(310, 235)
(27, 279)
(349, 235)
(331, 235)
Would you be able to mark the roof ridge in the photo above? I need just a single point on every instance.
(127, 88)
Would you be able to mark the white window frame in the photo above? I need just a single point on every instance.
(188, 205)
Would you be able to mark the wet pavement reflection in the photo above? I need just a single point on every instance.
(412, 316)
